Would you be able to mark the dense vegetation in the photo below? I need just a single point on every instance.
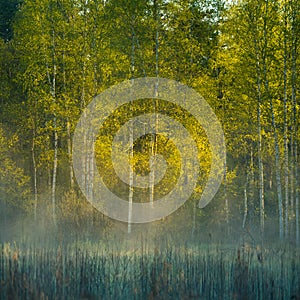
(241, 56)
(97, 272)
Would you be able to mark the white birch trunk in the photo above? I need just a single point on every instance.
(131, 183)
(35, 189)
(245, 202)
(259, 146)
(285, 137)
(274, 127)
(295, 118)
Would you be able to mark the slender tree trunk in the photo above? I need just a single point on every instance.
(252, 188)
(130, 196)
(85, 157)
(286, 159)
(260, 165)
(259, 138)
(35, 190)
(52, 85)
(277, 167)
(274, 126)
(91, 170)
(191, 58)
(69, 139)
(194, 219)
(55, 158)
(295, 118)
(84, 147)
(69, 145)
(292, 173)
(131, 183)
(49, 178)
(245, 201)
(54, 173)
(226, 202)
(155, 102)
(226, 199)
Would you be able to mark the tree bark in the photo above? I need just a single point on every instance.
(285, 137)
(245, 201)
(274, 126)
(259, 137)
(35, 189)
(131, 183)
(155, 106)
(52, 86)
(295, 118)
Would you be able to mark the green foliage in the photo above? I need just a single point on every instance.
(14, 184)
(143, 149)
(63, 53)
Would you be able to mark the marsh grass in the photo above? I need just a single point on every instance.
(95, 271)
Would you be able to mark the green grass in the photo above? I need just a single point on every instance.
(89, 271)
